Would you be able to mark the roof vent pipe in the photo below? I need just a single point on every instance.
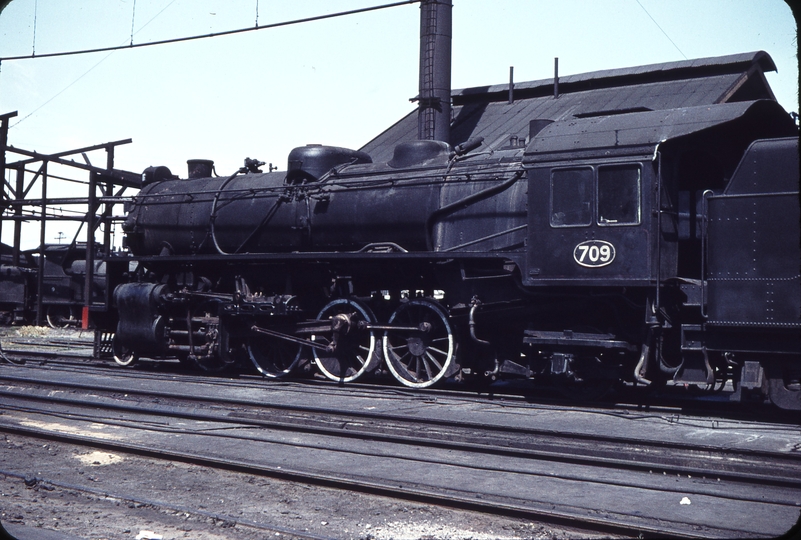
(434, 98)
(511, 84)
(556, 77)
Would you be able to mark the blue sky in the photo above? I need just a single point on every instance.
(339, 81)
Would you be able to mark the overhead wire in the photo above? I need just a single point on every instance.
(133, 19)
(35, 11)
(211, 35)
(661, 29)
(131, 45)
(87, 71)
(60, 92)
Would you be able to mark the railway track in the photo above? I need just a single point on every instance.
(489, 458)
(746, 466)
(78, 353)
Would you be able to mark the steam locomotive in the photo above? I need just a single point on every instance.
(640, 247)
(63, 274)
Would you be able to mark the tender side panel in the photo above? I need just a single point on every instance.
(753, 242)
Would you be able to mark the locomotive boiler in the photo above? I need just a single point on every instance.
(642, 248)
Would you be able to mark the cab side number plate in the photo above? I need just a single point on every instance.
(594, 253)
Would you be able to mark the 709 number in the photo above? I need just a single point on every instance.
(594, 253)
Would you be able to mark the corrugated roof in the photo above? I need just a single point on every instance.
(685, 69)
(485, 111)
(641, 132)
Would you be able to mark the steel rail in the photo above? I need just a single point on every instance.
(47, 354)
(514, 396)
(573, 515)
(628, 407)
(512, 508)
(748, 467)
(466, 447)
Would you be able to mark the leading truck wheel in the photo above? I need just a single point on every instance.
(123, 355)
(419, 358)
(353, 348)
(61, 316)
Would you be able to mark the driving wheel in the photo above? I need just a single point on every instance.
(273, 357)
(420, 352)
(351, 349)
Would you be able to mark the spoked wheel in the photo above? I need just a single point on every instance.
(354, 351)
(419, 358)
(123, 355)
(274, 358)
(61, 316)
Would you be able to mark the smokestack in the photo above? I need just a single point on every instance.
(434, 99)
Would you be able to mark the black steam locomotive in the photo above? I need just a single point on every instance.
(60, 277)
(638, 247)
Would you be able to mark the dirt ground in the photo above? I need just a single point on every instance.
(130, 496)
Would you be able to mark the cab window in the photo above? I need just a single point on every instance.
(609, 195)
(619, 195)
(571, 197)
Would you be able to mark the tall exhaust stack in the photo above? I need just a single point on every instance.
(434, 99)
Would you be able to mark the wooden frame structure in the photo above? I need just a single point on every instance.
(105, 187)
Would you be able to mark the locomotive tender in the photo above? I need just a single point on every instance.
(639, 227)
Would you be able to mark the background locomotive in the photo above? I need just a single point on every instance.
(63, 272)
(636, 226)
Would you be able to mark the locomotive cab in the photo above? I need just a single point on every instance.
(615, 200)
(620, 210)
(590, 222)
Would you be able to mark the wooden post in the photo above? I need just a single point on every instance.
(91, 223)
(20, 188)
(42, 236)
(3, 145)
